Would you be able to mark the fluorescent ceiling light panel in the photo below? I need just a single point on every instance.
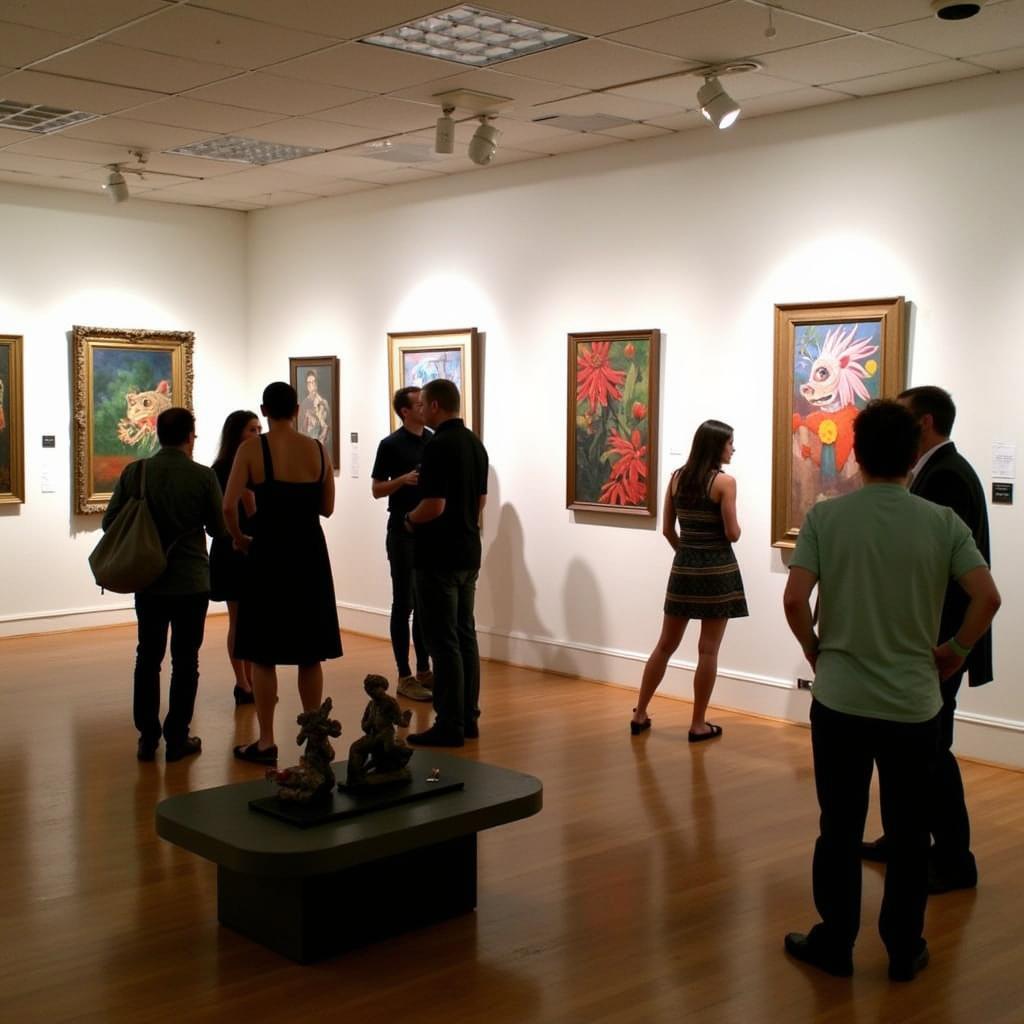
(239, 150)
(471, 35)
(39, 118)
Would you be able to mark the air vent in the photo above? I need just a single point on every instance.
(38, 118)
(399, 152)
(238, 150)
(581, 123)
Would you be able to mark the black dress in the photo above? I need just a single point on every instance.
(287, 615)
(228, 566)
(705, 581)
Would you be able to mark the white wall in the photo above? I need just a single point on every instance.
(699, 235)
(68, 259)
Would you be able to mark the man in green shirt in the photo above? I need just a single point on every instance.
(184, 499)
(881, 559)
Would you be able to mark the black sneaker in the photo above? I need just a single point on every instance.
(192, 745)
(800, 946)
(147, 749)
(906, 968)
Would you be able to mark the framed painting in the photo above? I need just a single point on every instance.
(831, 359)
(315, 379)
(12, 421)
(612, 438)
(121, 381)
(418, 357)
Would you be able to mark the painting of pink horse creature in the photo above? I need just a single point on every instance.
(835, 375)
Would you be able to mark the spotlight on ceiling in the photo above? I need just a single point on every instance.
(484, 143)
(116, 187)
(444, 136)
(716, 104)
(953, 10)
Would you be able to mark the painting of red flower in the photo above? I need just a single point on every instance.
(612, 444)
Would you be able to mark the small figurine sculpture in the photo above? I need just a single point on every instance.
(379, 757)
(312, 778)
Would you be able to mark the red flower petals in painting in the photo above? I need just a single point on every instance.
(627, 481)
(639, 410)
(596, 381)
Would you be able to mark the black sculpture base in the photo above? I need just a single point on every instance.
(318, 916)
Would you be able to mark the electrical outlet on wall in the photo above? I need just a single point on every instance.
(804, 684)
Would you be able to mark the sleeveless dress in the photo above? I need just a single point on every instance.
(228, 566)
(287, 615)
(705, 581)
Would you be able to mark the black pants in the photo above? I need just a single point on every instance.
(185, 616)
(403, 604)
(445, 601)
(950, 826)
(845, 748)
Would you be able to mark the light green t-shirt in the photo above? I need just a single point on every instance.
(883, 558)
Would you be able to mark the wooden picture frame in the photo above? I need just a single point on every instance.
(122, 379)
(831, 358)
(612, 433)
(12, 421)
(318, 408)
(417, 357)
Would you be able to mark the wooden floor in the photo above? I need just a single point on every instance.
(656, 884)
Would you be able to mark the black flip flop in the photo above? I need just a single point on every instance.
(253, 754)
(700, 737)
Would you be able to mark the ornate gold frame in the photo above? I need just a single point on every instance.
(15, 419)
(84, 341)
(891, 314)
(466, 340)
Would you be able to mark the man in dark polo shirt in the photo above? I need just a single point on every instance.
(446, 527)
(184, 499)
(395, 476)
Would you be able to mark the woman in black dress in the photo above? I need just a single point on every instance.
(227, 566)
(705, 581)
(287, 615)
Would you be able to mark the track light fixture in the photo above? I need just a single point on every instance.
(484, 143)
(116, 187)
(444, 136)
(716, 104)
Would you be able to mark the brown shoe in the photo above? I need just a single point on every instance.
(410, 688)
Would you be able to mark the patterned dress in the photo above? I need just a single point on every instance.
(705, 581)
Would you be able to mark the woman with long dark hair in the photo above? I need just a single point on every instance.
(701, 525)
(227, 566)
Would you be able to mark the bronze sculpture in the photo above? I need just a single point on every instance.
(312, 778)
(379, 757)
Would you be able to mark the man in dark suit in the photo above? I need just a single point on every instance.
(942, 475)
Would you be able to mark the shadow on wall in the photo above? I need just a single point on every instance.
(508, 597)
(584, 618)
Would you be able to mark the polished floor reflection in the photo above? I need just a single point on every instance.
(656, 884)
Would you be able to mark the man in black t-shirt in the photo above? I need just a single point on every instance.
(446, 528)
(395, 477)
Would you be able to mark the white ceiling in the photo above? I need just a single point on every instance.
(165, 73)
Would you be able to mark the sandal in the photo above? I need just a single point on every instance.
(700, 737)
(253, 754)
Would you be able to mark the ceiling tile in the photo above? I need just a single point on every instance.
(523, 135)
(289, 198)
(135, 134)
(191, 166)
(780, 102)
(396, 175)
(307, 131)
(214, 117)
(523, 91)
(637, 131)
(630, 107)
(911, 78)
(74, 16)
(72, 93)
(171, 195)
(598, 17)
(725, 32)
(682, 92)
(20, 45)
(329, 17)
(857, 14)
(261, 91)
(46, 181)
(342, 163)
(11, 137)
(218, 38)
(595, 64)
(61, 147)
(385, 114)
(138, 69)
(1001, 60)
(457, 164)
(345, 186)
(360, 66)
(839, 60)
(994, 27)
(46, 166)
(681, 122)
(574, 141)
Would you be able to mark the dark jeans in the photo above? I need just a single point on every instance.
(185, 616)
(947, 813)
(445, 602)
(845, 747)
(403, 604)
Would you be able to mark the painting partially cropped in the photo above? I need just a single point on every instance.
(12, 438)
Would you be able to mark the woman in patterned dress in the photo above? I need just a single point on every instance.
(700, 523)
